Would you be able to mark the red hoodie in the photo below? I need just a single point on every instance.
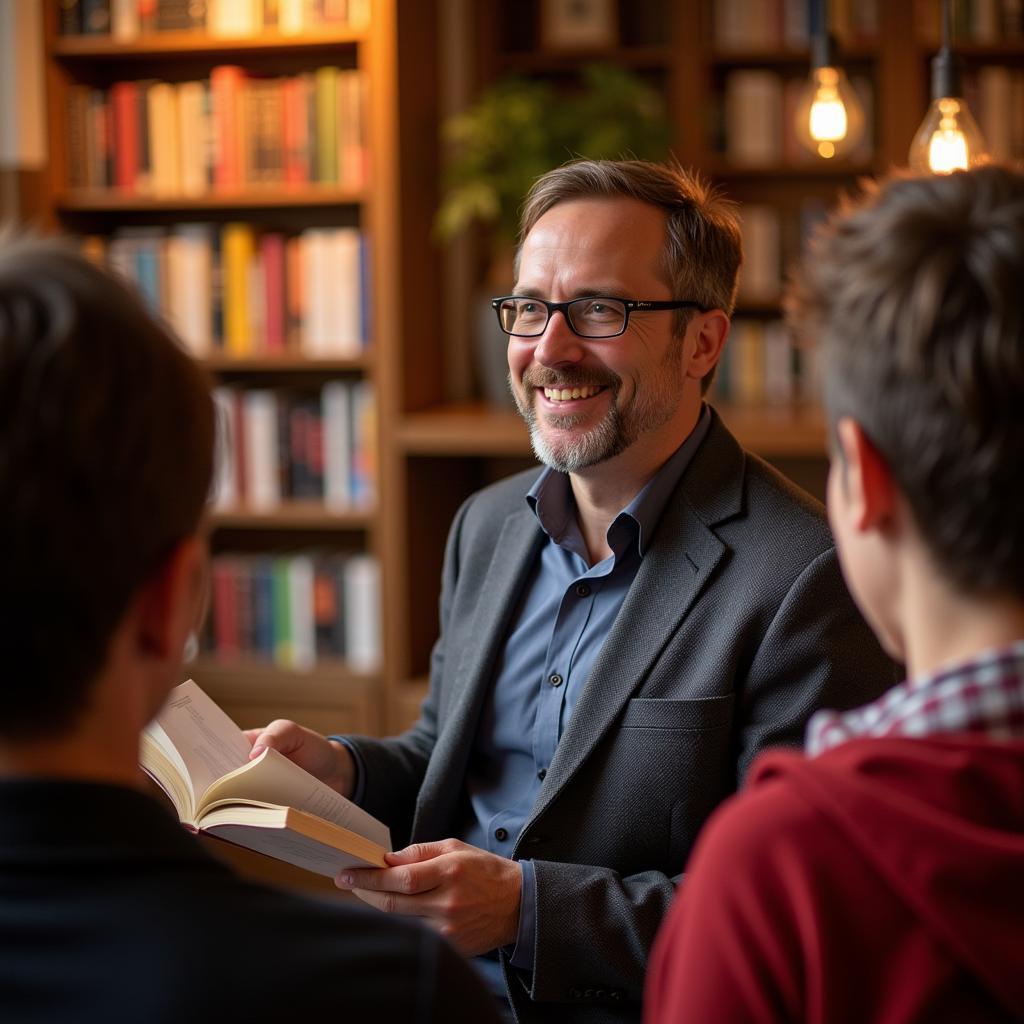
(881, 881)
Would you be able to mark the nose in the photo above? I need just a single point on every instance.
(558, 345)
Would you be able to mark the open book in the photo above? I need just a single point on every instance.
(200, 758)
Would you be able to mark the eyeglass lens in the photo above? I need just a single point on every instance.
(591, 317)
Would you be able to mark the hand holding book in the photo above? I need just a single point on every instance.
(324, 759)
(270, 804)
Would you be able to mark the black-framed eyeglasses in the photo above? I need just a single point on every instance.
(594, 316)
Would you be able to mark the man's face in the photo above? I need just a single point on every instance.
(588, 400)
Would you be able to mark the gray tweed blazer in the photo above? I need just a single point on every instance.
(736, 628)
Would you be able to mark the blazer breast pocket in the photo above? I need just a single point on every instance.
(701, 715)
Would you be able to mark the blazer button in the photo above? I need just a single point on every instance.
(555, 680)
(501, 834)
(582, 589)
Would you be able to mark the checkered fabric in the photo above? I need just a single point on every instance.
(984, 695)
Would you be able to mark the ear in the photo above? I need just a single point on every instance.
(169, 604)
(709, 331)
(869, 491)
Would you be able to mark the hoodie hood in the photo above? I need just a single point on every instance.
(941, 821)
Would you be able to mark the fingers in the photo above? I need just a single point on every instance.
(422, 851)
(408, 879)
(281, 735)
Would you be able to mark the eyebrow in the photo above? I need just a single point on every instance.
(612, 291)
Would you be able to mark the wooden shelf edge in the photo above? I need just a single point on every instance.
(823, 170)
(464, 428)
(475, 429)
(115, 201)
(854, 53)
(287, 363)
(292, 515)
(797, 431)
(174, 44)
(539, 61)
(260, 680)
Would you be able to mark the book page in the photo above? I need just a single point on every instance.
(272, 778)
(208, 743)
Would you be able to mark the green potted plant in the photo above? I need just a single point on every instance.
(519, 128)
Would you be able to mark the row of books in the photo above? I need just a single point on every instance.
(975, 21)
(296, 609)
(276, 446)
(125, 20)
(757, 127)
(744, 25)
(242, 292)
(771, 240)
(995, 94)
(228, 132)
(763, 365)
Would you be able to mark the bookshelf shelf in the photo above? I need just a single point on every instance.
(293, 515)
(115, 201)
(788, 58)
(463, 428)
(472, 429)
(287, 363)
(548, 61)
(257, 678)
(788, 173)
(171, 45)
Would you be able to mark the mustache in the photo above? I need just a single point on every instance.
(572, 377)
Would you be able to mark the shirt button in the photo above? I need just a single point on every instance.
(582, 590)
(555, 680)
(542, 773)
(501, 834)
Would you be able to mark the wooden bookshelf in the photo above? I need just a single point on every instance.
(394, 52)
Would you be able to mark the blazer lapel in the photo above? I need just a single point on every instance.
(511, 560)
(674, 570)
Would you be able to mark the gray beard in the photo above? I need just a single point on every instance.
(612, 436)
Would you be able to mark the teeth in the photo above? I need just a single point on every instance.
(566, 394)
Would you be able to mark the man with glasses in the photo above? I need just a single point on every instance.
(620, 633)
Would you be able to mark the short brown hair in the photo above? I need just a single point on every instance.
(106, 452)
(914, 292)
(703, 251)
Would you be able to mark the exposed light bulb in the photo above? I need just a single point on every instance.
(829, 116)
(948, 140)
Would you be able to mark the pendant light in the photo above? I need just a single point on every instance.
(829, 116)
(949, 138)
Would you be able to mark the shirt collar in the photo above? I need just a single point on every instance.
(551, 501)
(984, 695)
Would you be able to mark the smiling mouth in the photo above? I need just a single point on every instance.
(569, 394)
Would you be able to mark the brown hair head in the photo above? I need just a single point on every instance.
(914, 292)
(106, 451)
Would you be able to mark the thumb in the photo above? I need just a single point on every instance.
(416, 853)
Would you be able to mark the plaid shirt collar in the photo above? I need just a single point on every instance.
(984, 696)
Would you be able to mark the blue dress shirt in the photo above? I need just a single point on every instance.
(564, 614)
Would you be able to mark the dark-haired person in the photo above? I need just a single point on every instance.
(620, 632)
(880, 876)
(109, 911)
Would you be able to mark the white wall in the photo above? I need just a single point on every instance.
(22, 92)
